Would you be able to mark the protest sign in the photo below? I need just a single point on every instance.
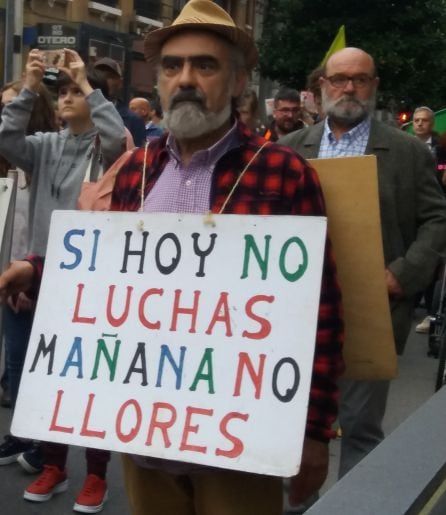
(350, 186)
(176, 336)
(8, 190)
(6, 201)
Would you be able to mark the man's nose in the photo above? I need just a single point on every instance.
(349, 87)
(187, 75)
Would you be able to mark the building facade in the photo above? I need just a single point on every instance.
(113, 28)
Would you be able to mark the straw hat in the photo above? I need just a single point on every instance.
(206, 15)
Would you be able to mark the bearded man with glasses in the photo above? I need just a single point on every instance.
(286, 114)
(413, 219)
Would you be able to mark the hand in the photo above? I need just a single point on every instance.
(20, 303)
(312, 474)
(393, 286)
(75, 69)
(34, 71)
(15, 279)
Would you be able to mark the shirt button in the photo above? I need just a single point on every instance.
(188, 182)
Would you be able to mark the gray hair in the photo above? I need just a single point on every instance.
(424, 108)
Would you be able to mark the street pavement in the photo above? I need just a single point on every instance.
(414, 385)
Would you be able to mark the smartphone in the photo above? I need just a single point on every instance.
(53, 58)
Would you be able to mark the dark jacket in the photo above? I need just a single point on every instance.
(413, 210)
(133, 122)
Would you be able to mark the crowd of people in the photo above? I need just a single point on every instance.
(204, 63)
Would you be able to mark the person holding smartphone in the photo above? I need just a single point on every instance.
(57, 164)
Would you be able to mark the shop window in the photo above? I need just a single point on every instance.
(148, 8)
(99, 49)
(110, 3)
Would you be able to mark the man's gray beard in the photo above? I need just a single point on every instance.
(347, 111)
(188, 120)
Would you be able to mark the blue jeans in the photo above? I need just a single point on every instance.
(17, 330)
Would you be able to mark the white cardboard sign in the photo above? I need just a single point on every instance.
(168, 336)
(6, 191)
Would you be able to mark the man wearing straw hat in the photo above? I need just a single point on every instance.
(209, 161)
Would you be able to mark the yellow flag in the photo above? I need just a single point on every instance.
(337, 44)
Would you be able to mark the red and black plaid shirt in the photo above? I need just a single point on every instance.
(278, 182)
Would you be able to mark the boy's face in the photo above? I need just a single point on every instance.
(72, 105)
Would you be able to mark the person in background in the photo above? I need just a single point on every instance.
(423, 127)
(441, 160)
(144, 108)
(314, 86)
(248, 109)
(18, 312)
(413, 220)
(156, 111)
(112, 72)
(57, 163)
(286, 114)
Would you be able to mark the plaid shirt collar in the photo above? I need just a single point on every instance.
(351, 143)
(357, 132)
(209, 155)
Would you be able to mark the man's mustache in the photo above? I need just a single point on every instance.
(351, 99)
(187, 95)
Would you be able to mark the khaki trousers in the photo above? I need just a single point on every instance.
(216, 492)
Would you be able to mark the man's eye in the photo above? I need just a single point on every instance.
(171, 66)
(206, 66)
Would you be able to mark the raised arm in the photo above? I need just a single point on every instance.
(15, 146)
(105, 117)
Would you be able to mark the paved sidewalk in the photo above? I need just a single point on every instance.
(13, 481)
(413, 386)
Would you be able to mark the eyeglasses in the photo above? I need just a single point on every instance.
(288, 110)
(358, 81)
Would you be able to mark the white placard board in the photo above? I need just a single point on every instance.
(168, 336)
(6, 190)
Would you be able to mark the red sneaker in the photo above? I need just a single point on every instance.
(93, 495)
(51, 481)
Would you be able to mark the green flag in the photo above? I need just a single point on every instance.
(337, 44)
